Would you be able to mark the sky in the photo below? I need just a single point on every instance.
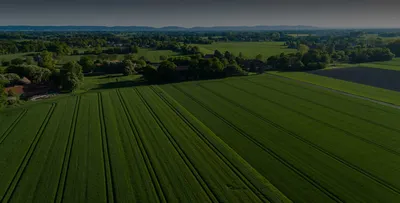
(190, 13)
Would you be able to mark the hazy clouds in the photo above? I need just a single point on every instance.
(337, 13)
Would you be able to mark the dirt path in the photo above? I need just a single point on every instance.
(339, 91)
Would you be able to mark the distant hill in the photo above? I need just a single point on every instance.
(147, 28)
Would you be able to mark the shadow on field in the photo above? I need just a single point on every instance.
(382, 78)
(120, 84)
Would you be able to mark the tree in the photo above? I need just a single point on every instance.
(3, 98)
(218, 54)
(46, 60)
(233, 69)
(39, 75)
(259, 57)
(395, 47)
(150, 73)
(128, 67)
(134, 49)
(302, 48)
(87, 64)
(71, 76)
(29, 60)
(167, 70)
(130, 57)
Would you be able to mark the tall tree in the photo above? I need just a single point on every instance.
(46, 60)
(71, 76)
(87, 64)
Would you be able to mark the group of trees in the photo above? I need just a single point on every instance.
(317, 59)
(194, 67)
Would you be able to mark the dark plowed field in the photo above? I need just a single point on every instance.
(387, 79)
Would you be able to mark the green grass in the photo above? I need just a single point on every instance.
(249, 49)
(375, 93)
(389, 65)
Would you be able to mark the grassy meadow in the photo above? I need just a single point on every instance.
(248, 49)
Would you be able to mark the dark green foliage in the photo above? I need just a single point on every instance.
(134, 49)
(150, 73)
(3, 97)
(129, 67)
(395, 47)
(167, 71)
(87, 64)
(36, 74)
(17, 61)
(9, 79)
(71, 76)
(59, 48)
(46, 60)
(29, 60)
(233, 70)
(39, 75)
(370, 55)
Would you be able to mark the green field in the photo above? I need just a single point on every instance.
(375, 93)
(249, 49)
(300, 35)
(9, 57)
(244, 139)
(390, 65)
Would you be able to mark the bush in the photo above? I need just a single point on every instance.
(9, 78)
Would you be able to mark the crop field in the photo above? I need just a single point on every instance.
(248, 49)
(125, 145)
(244, 139)
(388, 96)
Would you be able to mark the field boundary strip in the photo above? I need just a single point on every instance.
(149, 165)
(280, 159)
(324, 106)
(211, 195)
(12, 126)
(110, 194)
(21, 168)
(386, 104)
(394, 152)
(67, 154)
(315, 146)
(214, 148)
